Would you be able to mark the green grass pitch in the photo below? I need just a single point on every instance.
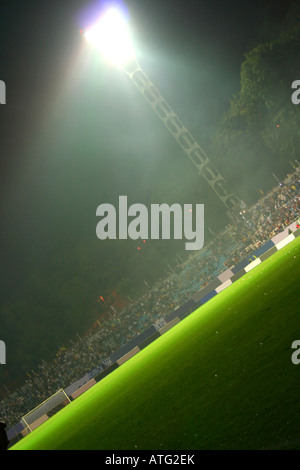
(221, 379)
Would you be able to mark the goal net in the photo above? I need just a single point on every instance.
(46, 409)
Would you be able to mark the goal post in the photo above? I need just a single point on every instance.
(46, 409)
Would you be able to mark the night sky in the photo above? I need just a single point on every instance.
(76, 133)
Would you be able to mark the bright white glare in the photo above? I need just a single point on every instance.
(111, 36)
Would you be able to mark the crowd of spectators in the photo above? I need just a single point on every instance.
(273, 213)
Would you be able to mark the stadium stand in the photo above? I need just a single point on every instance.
(272, 224)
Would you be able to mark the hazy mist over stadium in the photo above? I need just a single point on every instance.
(76, 133)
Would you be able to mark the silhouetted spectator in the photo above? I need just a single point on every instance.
(3, 436)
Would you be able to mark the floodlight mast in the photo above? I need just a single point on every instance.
(110, 36)
(184, 138)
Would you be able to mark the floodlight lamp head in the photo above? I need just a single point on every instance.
(111, 37)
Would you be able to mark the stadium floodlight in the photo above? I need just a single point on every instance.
(111, 36)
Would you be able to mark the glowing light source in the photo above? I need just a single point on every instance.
(111, 37)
